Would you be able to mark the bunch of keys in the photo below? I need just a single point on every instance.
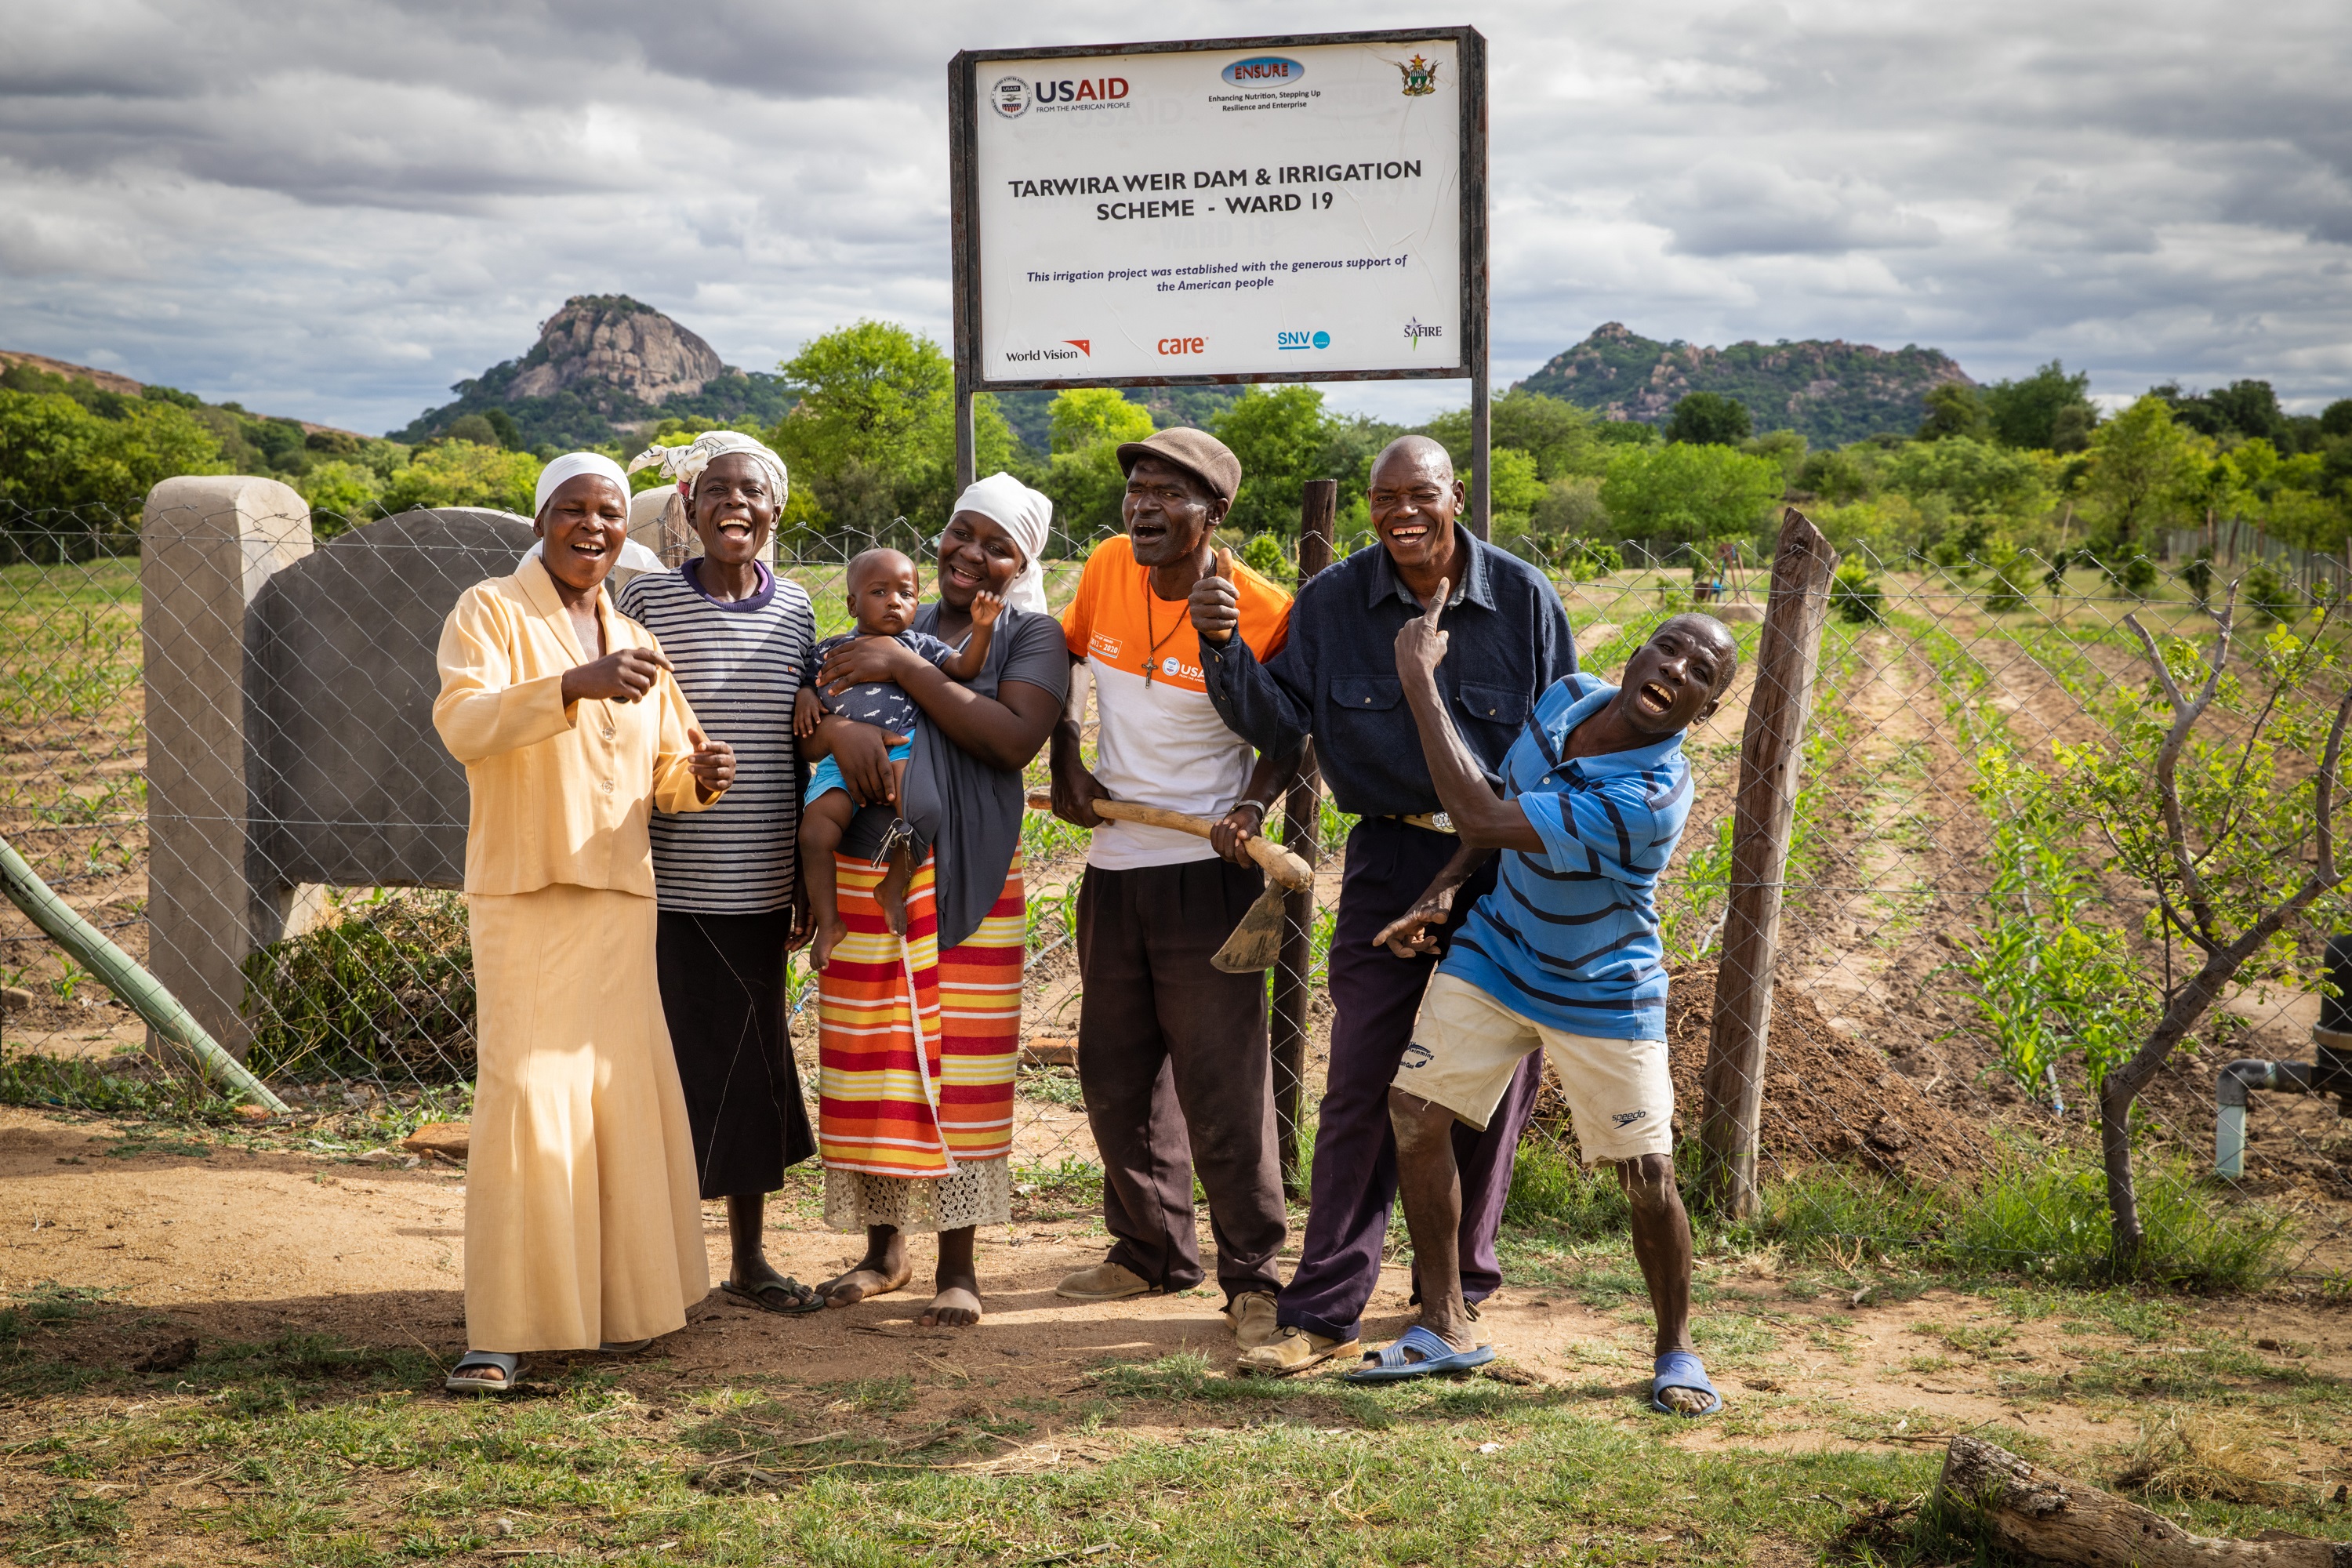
(899, 833)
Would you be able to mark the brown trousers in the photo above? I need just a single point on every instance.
(1172, 1061)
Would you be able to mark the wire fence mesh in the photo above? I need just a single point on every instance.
(1961, 952)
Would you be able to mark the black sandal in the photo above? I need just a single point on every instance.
(801, 1300)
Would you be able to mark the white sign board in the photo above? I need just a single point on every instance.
(1293, 212)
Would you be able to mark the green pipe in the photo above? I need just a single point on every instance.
(122, 976)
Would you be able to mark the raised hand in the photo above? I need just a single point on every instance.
(622, 677)
(1216, 603)
(985, 607)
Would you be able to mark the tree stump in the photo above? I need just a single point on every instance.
(2039, 1514)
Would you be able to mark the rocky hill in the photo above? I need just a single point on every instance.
(605, 368)
(1832, 392)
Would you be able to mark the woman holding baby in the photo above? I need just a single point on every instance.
(920, 1031)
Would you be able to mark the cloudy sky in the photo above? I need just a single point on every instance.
(335, 208)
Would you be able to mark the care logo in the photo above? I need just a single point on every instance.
(1416, 332)
(1315, 339)
(1262, 71)
(1420, 76)
(1011, 97)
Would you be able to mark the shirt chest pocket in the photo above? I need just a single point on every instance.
(1503, 705)
(1365, 693)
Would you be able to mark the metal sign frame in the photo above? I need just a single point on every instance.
(964, 177)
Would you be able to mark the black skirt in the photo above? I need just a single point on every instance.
(722, 988)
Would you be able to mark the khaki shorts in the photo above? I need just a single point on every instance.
(1465, 1046)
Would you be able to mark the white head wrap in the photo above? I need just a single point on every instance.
(634, 557)
(685, 463)
(1024, 513)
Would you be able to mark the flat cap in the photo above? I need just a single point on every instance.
(1196, 452)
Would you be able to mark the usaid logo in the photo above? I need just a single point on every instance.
(1318, 339)
(1262, 70)
(1011, 97)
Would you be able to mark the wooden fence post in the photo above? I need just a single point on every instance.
(1770, 753)
(1301, 816)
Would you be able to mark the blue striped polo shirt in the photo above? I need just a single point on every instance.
(1569, 938)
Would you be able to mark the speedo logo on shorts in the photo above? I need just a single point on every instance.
(1627, 1118)
(1416, 1055)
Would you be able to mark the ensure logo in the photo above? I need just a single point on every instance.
(1011, 97)
(1302, 339)
(1262, 70)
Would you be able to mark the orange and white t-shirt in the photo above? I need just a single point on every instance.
(1161, 742)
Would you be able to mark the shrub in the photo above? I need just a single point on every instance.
(2010, 588)
(1264, 554)
(1855, 596)
(2044, 1213)
(390, 987)
(2271, 595)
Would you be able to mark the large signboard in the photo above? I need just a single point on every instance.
(1251, 209)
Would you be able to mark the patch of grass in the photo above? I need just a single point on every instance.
(388, 987)
(2206, 1457)
(28, 1077)
(1844, 1214)
(1550, 1189)
(2045, 1215)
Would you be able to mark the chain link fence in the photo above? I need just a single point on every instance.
(1960, 953)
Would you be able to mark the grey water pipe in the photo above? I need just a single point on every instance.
(2330, 1071)
(121, 973)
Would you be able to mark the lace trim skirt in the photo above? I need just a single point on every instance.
(977, 1192)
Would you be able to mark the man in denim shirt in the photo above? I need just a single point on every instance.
(1335, 679)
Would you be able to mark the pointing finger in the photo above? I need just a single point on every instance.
(1437, 602)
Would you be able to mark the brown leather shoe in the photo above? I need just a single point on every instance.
(1251, 1316)
(1294, 1350)
(1105, 1282)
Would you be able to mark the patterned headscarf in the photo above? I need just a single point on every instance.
(685, 464)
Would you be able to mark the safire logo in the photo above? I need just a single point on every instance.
(1302, 339)
(1262, 70)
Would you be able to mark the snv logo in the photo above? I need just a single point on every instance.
(1316, 339)
(1262, 70)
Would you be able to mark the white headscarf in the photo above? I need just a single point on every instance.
(634, 557)
(684, 464)
(1026, 515)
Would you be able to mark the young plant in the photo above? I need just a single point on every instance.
(2236, 841)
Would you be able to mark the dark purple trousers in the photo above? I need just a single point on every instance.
(1376, 995)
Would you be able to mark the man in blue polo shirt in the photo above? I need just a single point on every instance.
(1563, 956)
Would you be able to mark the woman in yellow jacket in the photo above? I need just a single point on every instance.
(582, 1225)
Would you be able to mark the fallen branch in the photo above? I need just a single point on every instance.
(2039, 1513)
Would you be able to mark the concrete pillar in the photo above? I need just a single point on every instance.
(207, 545)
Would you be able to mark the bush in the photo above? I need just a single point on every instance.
(2271, 595)
(1263, 555)
(392, 987)
(1686, 492)
(2011, 588)
(1855, 596)
(2044, 1213)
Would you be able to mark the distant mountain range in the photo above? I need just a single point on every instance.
(1831, 391)
(606, 368)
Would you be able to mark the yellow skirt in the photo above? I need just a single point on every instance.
(582, 1221)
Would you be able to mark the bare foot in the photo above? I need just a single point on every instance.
(829, 935)
(953, 1308)
(871, 1277)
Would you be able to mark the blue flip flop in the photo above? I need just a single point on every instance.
(1681, 1369)
(1392, 1365)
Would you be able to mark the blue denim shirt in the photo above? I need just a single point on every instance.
(1336, 678)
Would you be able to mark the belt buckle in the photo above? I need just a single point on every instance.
(1441, 821)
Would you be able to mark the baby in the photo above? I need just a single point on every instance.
(882, 596)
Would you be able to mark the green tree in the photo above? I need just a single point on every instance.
(503, 426)
(2144, 471)
(1084, 415)
(459, 473)
(1708, 420)
(1687, 492)
(1558, 435)
(1977, 477)
(1513, 490)
(2335, 419)
(341, 495)
(55, 452)
(2027, 412)
(1954, 411)
(1283, 436)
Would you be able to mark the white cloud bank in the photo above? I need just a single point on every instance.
(337, 208)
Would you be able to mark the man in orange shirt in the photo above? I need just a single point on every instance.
(1171, 1053)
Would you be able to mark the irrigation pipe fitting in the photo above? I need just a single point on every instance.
(2246, 1074)
(121, 975)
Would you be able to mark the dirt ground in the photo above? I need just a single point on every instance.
(241, 1246)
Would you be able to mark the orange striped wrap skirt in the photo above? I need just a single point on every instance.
(916, 1048)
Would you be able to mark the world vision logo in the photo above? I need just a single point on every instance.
(1084, 345)
(1420, 76)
